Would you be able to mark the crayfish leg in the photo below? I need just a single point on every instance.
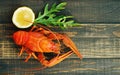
(30, 53)
(28, 57)
(21, 51)
(33, 54)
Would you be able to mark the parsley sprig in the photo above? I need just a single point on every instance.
(49, 17)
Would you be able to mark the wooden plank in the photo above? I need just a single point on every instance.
(92, 40)
(94, 11)
(84, 11)
(67, 67)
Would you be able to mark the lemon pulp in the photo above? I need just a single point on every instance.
(23, 17)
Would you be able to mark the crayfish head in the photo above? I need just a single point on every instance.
(20, 37)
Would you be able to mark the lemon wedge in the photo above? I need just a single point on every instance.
(23, 17)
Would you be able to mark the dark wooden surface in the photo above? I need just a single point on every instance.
(98, 40)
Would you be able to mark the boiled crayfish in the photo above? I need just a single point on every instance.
(48, 47)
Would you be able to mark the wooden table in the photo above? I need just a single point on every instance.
(98, 39)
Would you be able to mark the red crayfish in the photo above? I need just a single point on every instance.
(48, 47)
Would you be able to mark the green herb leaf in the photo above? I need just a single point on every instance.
(49, 17)
(46, 9)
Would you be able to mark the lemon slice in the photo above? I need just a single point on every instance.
(23, 17)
